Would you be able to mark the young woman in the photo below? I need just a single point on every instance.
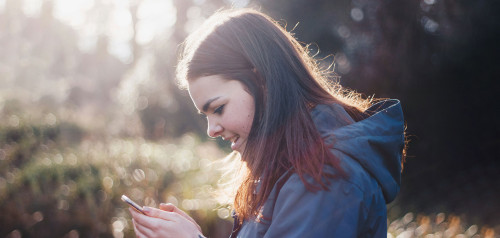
(320, 161)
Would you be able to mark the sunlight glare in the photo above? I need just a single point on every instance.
(87, 37)
(75, 13)
(31, 8)
(120, 32)
(121, 23)
(155, 16)
(193, 12)
(237, 3)
(198, 2)
(72, 12)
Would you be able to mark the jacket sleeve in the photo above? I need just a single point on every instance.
(338, 212)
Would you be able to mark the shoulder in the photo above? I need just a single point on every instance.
(357, 179)
(293, 209)
(290, 195)
(337, 190)
(358, 191)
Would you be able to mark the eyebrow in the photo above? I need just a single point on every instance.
(207, 104)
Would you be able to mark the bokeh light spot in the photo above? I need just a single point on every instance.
(14, 121)
(2, 155)
(344, 31)
(50, 119)
(64, 190)
(73, 234)
(342, 63)
(15, 234)
(71, 159)
(357, 14)
(150, 202)
(107, 182)
(408, 218)
(429, 24)
(139, 175)
(58, 158)
(173, 200)
(440, 218)
(63, 205)
(472, 230)
(38, 216)
(223, 213)
(118, 225)
(188, 204)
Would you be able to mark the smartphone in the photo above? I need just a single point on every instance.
(132, 204)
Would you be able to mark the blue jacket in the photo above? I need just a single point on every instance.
(355, 206)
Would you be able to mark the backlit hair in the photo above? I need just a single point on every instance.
(286, 83)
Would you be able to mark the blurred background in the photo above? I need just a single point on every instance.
(89, 109)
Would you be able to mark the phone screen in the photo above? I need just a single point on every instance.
(132, 204)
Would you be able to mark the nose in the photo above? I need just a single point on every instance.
(214, 129)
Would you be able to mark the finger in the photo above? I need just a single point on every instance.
(144, 224)
(153, 221)
(141, 231)
(165, 215)
(134, 213)
(138, 232)
(171, 208)
(174, 216)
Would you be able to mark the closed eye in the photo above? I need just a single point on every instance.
(219, 109)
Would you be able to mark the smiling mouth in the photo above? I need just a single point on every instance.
(234, 142)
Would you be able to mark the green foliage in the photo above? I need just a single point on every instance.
(52, 187)
(64, 177)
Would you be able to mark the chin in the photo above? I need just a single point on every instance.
(239, 150)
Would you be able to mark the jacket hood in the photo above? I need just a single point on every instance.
(375, 142)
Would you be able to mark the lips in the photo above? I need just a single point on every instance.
(234, 142)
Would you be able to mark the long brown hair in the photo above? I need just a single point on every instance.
(286, 83)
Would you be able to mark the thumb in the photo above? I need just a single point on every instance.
(168, 207)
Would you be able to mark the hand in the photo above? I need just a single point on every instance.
(164, 223)
(169, 207)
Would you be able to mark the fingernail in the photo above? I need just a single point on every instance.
(146, 209)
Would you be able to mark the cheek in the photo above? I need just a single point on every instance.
(247, 121)
(246, 124)
(240, 124)
(250, 113)
(242, 115)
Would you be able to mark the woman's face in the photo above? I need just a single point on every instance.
(229, 108)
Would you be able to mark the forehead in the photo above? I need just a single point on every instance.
(208, 87)
(205, 81)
